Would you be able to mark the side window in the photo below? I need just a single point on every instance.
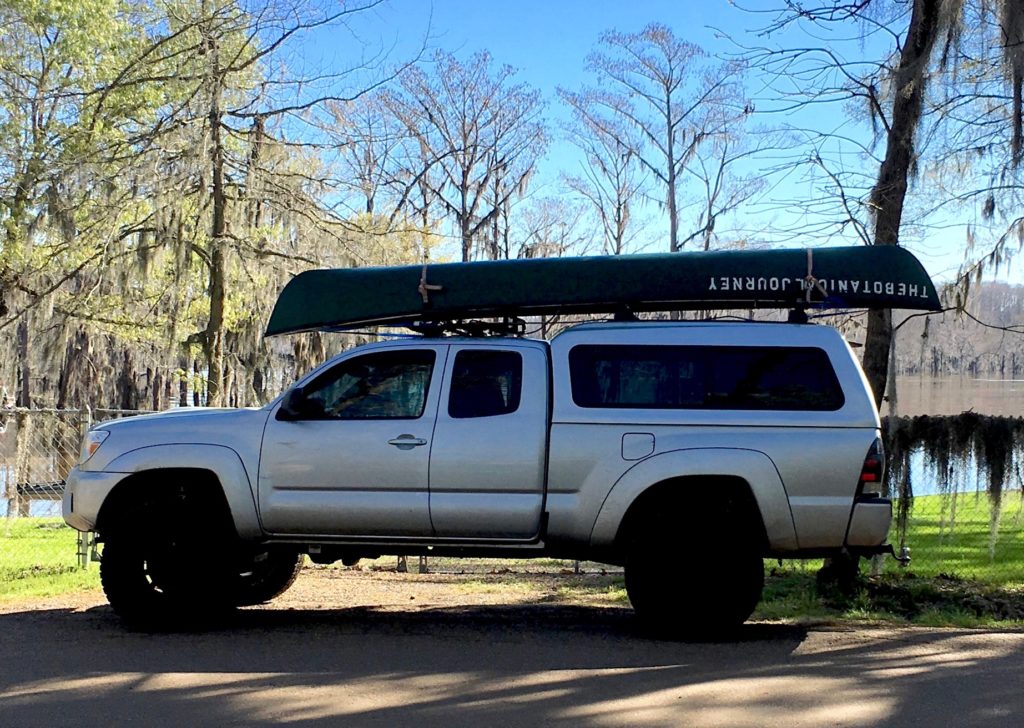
(773, 378)
(637, 376)
(704, 377)
(485, 384)
(383, 385)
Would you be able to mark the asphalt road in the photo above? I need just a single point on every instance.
(493, 665)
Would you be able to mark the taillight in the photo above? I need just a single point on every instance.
(873, 468)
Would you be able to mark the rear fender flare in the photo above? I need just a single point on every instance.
(752, 466)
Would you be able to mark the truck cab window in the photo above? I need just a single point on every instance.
(381, 385)
(485, 384)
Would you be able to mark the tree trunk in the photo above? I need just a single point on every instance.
(18, 504)
(197, 393)
(127, 389)
(876, 352)
(24, 366)
(183, 383)
(158, 389)
(214, 339)
(670, 179)
(65, 380)
(673, 215)
(890, 191)
(466, 230)
(258, 385)
(251, 192)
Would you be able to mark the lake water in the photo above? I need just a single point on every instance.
(953, 395)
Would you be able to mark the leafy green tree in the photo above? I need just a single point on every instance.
(68, 155)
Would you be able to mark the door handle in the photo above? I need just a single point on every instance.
(407, 442)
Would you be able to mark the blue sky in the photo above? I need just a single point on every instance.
(547, 42)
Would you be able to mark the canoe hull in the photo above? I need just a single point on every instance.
(848, 277)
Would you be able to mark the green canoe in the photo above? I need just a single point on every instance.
(822, 278)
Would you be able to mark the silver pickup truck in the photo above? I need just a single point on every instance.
(686, 452)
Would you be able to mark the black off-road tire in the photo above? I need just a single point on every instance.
(129, 590)
(169, 549)
(681, 589)
(154, 586)
(269, 575)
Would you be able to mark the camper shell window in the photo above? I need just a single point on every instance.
(704, 377)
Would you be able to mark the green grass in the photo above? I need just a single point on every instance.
(966, 550)
(904, 598)
(38, 558)
(958, 576)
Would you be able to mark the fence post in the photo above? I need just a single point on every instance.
(86, 421)
(85, 538)
(84, 548)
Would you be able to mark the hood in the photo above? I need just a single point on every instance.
(238, 429)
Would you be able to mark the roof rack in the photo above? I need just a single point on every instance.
(506, 326)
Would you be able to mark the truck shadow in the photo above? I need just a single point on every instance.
(530, 621)
(493, 665)
(491, 622)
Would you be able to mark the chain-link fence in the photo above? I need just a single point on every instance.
(963, 531)
(967, 534)
(38, 447)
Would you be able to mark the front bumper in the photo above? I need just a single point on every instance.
(84, 494)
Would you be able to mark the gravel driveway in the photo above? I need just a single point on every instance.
(351, 648)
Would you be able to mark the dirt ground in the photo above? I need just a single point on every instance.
(355, 648)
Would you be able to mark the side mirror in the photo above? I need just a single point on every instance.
(292, 405)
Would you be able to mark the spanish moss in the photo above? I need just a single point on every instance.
(957, 450)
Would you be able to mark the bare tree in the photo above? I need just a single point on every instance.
(483, 132)
(371, 142)
(930, 21)
(722, 189)
(665, 89)
(550, 228)
(612, 178)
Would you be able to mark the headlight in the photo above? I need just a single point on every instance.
(92, 442)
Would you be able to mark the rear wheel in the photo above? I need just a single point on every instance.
(692, 592)
(693, 559)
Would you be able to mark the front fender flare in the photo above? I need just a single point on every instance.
(753, 466)
(222, 461)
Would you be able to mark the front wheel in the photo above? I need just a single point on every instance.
(162, 585)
